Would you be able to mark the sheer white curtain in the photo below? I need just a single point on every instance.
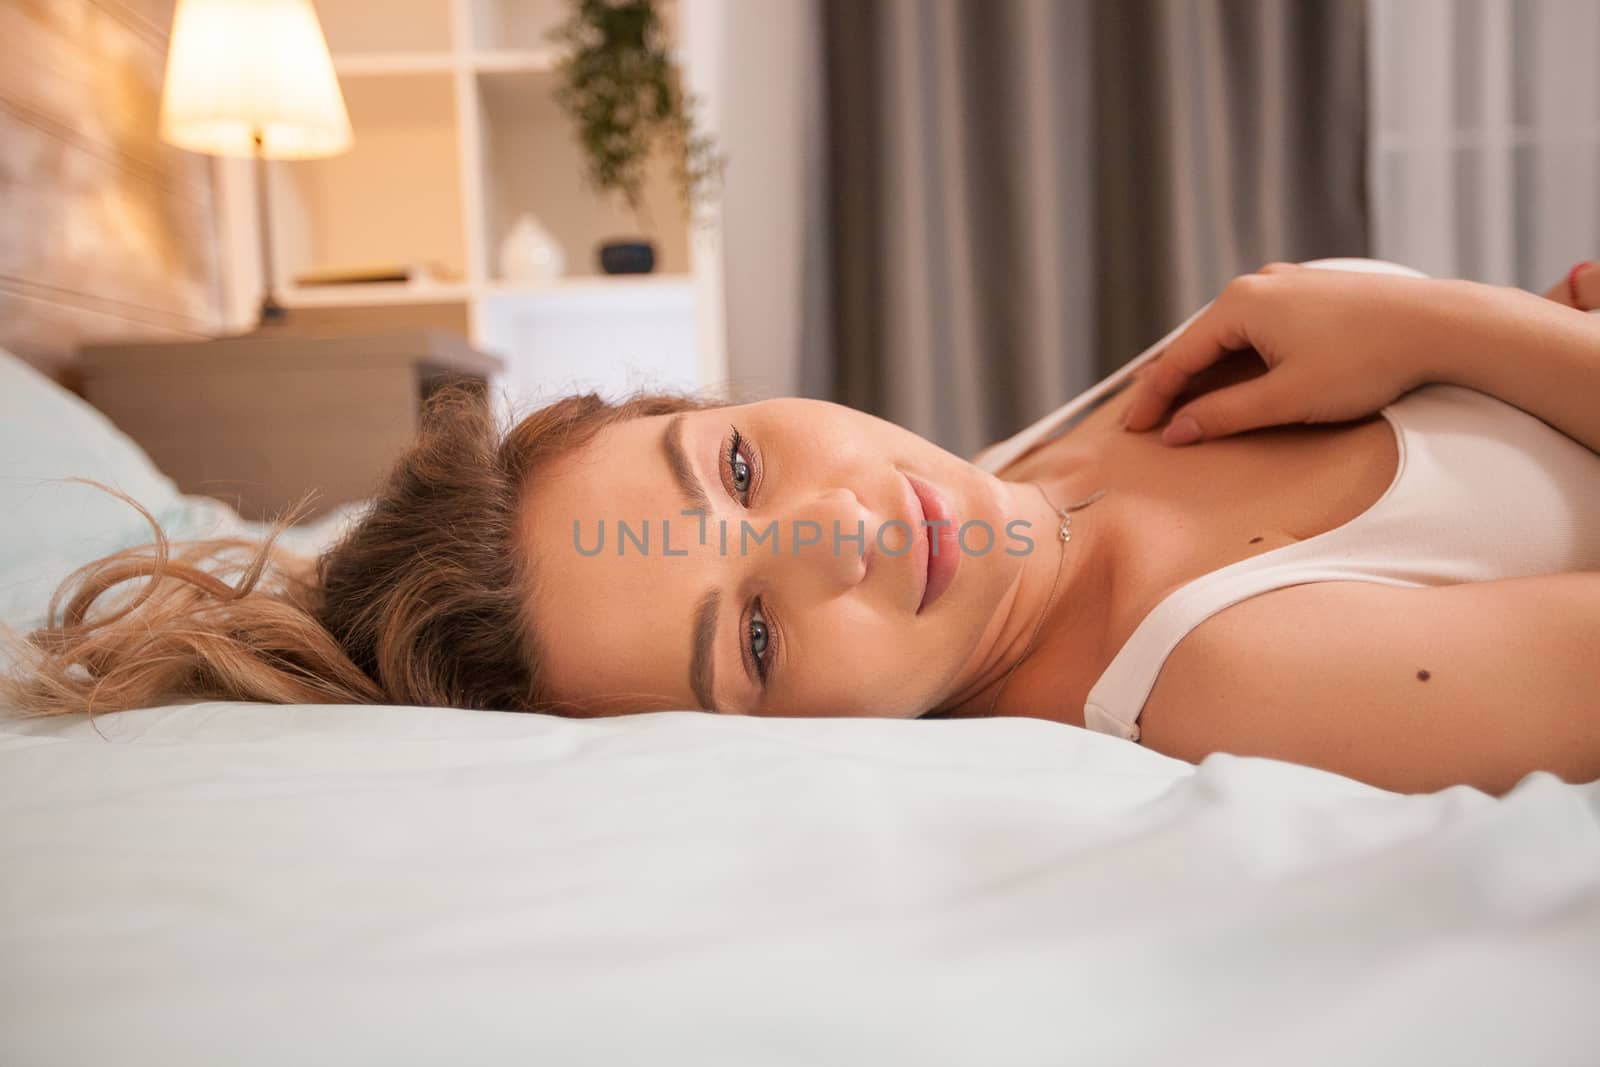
(1485, 129)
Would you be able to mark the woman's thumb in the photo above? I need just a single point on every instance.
(1235, 409)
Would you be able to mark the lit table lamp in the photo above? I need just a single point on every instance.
(253, 78)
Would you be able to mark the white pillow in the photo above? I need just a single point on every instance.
(53, 526)
(46, 434)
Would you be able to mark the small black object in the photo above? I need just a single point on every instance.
(627, 257)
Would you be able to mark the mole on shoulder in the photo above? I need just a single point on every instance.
(1253, 540)
(1423, 676)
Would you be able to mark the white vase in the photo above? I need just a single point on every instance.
(530, 254)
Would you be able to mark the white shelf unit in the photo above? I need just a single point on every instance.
(456, 135)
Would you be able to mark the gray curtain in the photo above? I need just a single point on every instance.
(1022, 194)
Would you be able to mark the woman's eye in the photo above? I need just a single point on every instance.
(760, 641)
(739, 468)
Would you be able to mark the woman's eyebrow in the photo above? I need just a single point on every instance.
(682, 471)
(701, 673)
(704, 623)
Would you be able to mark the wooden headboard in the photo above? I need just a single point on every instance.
(105, 231)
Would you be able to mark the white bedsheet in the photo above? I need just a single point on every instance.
(244, 884)
(247, 884)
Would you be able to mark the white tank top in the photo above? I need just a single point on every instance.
(1483, 491)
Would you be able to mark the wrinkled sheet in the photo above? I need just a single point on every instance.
(250, 884)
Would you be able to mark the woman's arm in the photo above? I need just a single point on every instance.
(1408, 689)
(1528, 351)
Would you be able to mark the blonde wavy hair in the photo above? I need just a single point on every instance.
(423, 601)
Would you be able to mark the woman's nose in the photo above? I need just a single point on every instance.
(823, 543)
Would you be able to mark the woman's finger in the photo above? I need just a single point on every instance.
(1558, 293)
(1579, 289)
(1249, 405)
(1584, 283)
(1219, 330)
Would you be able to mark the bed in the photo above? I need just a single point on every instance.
(250, 884)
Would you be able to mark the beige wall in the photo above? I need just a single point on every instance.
(762, 80)
(105, 232)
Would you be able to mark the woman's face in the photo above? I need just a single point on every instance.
(799, 585)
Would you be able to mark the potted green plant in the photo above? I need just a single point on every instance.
(624, 94)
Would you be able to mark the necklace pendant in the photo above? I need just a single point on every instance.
(1065, 532)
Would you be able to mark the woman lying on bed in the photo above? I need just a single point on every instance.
(1395, 574)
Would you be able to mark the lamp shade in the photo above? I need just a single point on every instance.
(236, 68)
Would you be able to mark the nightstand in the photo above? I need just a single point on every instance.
(257, 420)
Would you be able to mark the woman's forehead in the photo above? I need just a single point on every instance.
(608, 598)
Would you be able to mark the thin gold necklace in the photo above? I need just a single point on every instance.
(1064, 533)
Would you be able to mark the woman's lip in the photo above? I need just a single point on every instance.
(938, 527)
